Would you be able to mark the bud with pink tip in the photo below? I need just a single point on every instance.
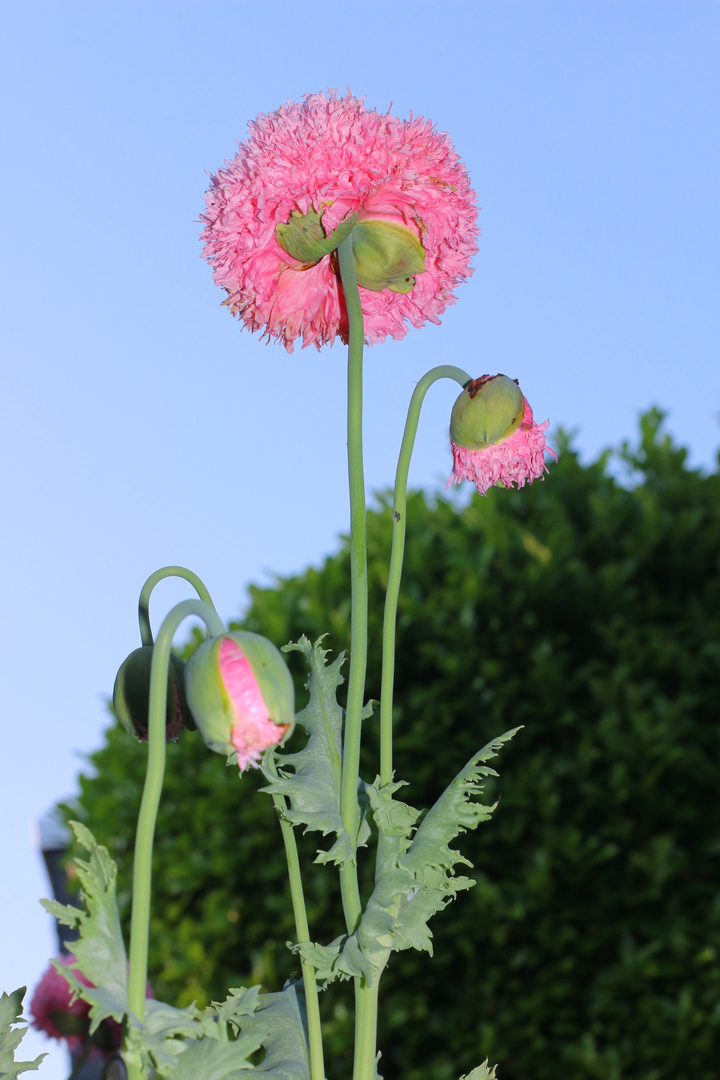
(241, 695)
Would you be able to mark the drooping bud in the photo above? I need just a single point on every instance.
(387, 256)
(487, 411)
(241, 694)
(131, 695)
(495, 441)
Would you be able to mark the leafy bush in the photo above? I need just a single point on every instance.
(585, 609)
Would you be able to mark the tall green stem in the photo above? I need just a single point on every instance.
(302, 932)
(365, 1016)
(445, 371)
(359, 583)
(142, 866)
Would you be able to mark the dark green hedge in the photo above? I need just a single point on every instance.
(586, 609)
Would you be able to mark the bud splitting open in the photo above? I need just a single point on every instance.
(241, 694)
(494, 439)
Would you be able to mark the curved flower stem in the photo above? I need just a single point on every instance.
(302, 932)
(445, 371)
(146, 592)
(142, 866)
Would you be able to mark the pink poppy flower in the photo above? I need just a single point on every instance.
(331, 157)
(53, 1013)
(493, 437)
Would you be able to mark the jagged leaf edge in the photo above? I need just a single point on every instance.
(12, 1031)
(100, 949)
(313, 785)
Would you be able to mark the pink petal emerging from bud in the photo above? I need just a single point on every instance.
(253, 731)
(518, 460)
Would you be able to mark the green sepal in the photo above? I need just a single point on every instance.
(304, 237)
(310, 778)
(387, 256)
(488, 410)
(11, 1036)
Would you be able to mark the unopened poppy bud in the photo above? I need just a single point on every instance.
(494, 439)
(387, 256)
(489, 409)
(131, 695)
(241, 694)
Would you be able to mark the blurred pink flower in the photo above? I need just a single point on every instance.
(53, 1013)
(334, 156)
(518, 459)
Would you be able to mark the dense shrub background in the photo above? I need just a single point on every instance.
(586, 608)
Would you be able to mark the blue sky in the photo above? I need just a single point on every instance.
(142, 426)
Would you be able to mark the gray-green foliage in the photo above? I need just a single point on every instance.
(587, 609)
(12, 1029)
(215, 1043)
(313, 785)
(414, 875)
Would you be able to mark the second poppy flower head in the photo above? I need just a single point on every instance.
(494, 438)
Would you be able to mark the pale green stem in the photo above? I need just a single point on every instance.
(142, 866)
(359, 585)
(365, 1018)
(445, 371)
(146, 592)
(302, 933)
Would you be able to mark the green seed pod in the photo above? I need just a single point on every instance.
(241, 694)
(387, 256)
(131, 695)
(488, 410)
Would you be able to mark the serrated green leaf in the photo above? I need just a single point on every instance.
(365, 953)
(430, 859)
(11, 1036)
(210, 1059)
(482, 1072)
(310, 778)
(158, 1041)
(100, 950)
(453, 813)
(240, 1002)
(280, 1025)
(414, 877)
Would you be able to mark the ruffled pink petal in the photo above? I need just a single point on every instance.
(517, 460)
(336, 156)
(253, 731)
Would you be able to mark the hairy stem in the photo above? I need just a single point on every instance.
(142, 866)
(445, 371)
